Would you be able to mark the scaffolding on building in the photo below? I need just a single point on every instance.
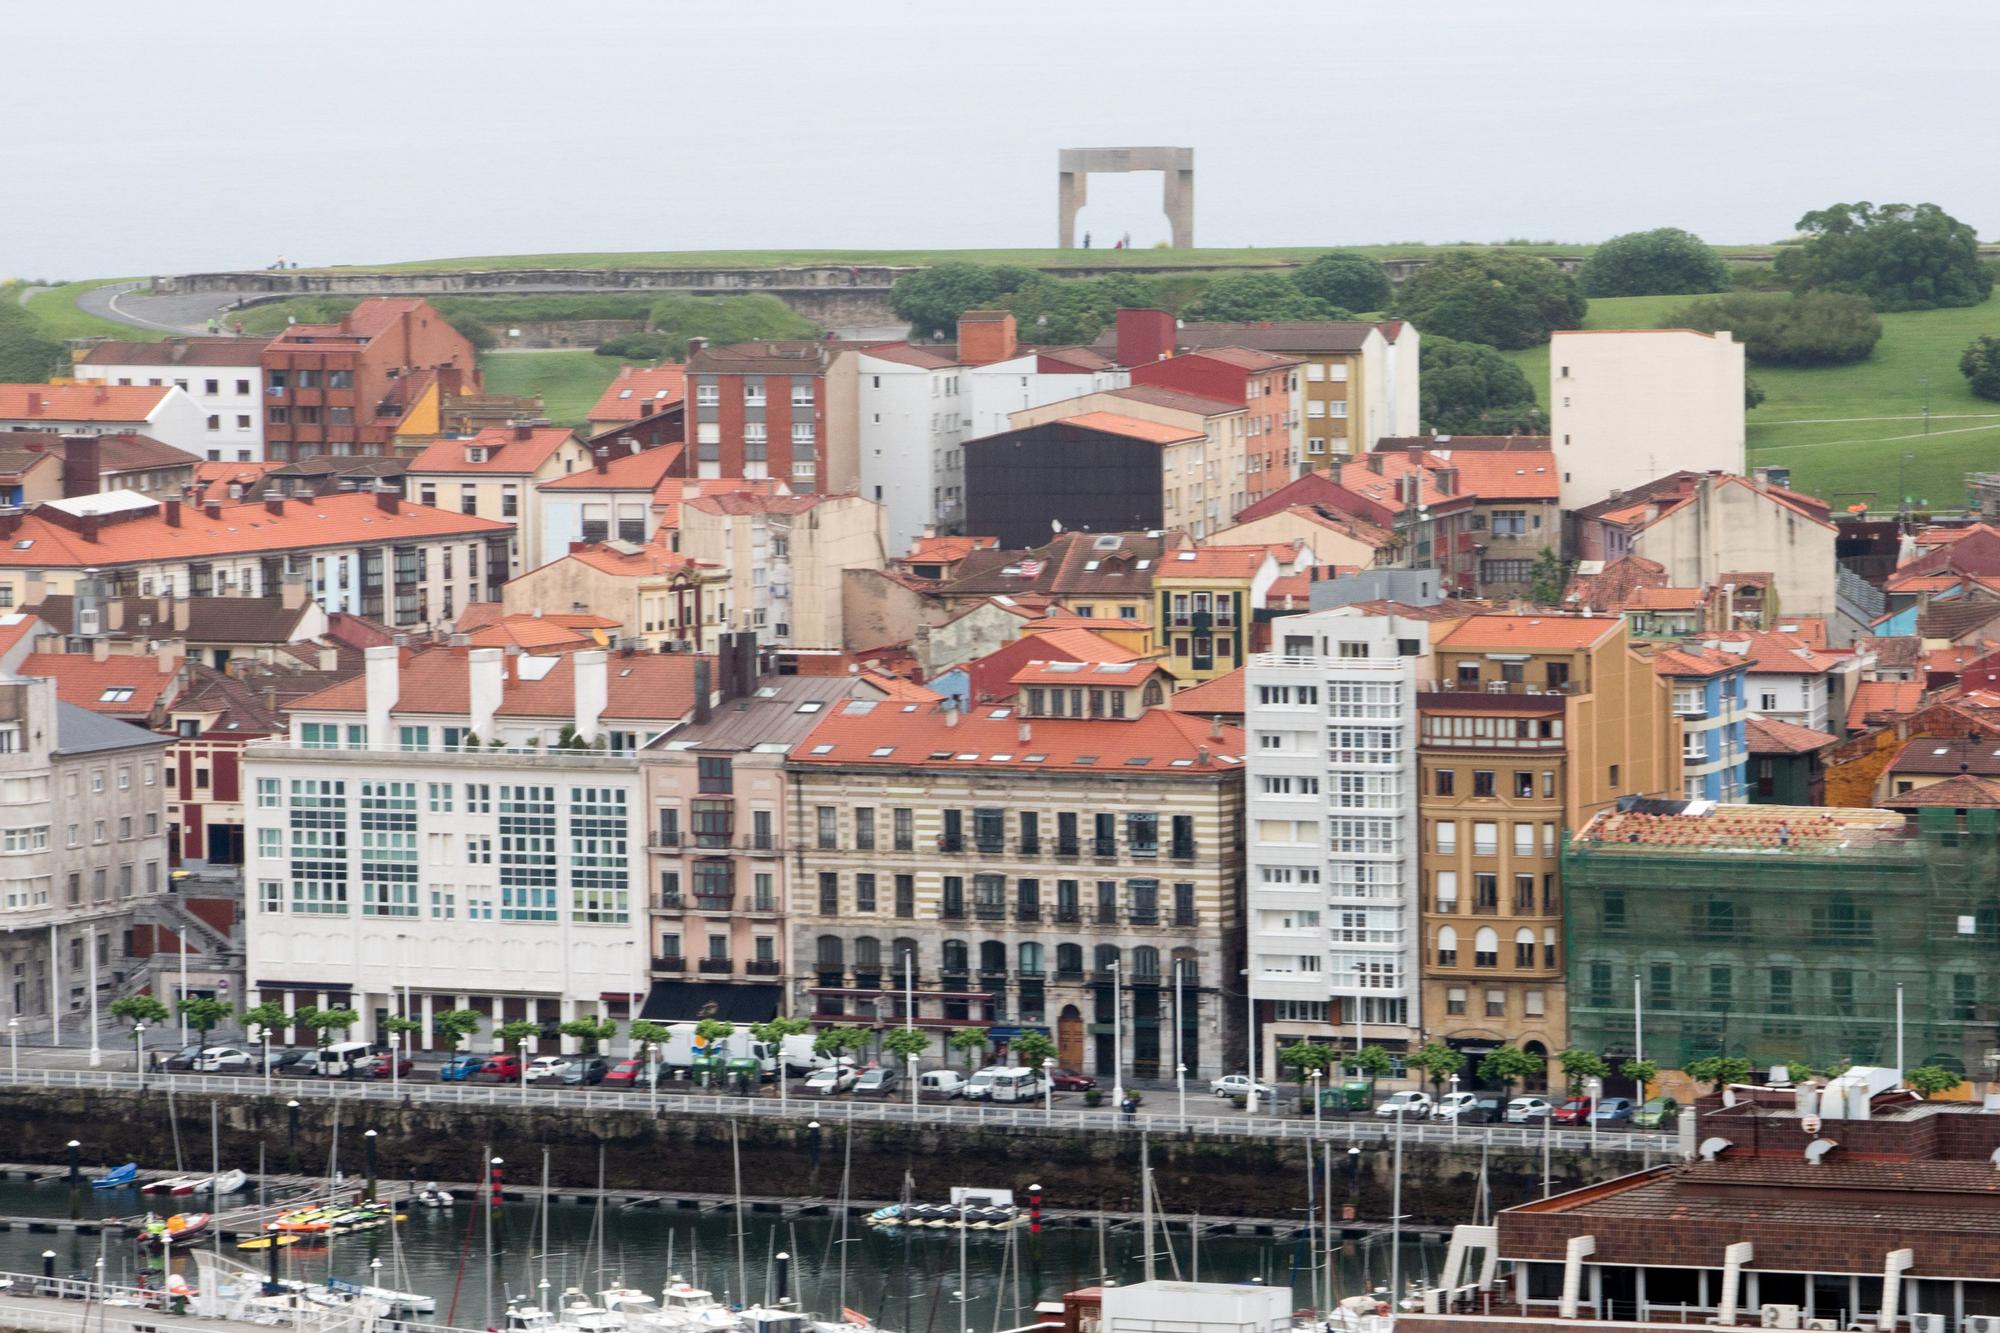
(1782, 934)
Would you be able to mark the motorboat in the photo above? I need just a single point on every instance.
(117, 1177)
(228, 1182)
(686, 1306)
(975, 1217)
(174, 1185)
(521, 1318)
(578, 1313)
(175, 1230)
(430, 1196)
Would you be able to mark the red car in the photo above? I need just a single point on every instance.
(502, 1069)
(623, 1073)
(1572, 1112)
(378, 1066)
(1068, 1080)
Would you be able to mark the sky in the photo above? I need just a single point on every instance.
(210, 134)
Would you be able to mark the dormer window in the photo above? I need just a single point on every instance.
(475, 453)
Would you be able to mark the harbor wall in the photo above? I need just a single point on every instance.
(690, 1154)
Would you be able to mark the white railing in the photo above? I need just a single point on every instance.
(1161, 1113)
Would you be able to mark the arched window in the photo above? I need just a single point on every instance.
(1107, 957)
(1524, 947)
(1031, 959)
(954, 955)
(1152, 695)
(1486, 948)
(1447, 949)
(1069, 958)
(868, 953)
(992, 956)
(1146, 961)
(830, 951)
(904, 952)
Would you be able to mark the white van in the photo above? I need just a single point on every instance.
(944, 1082)
(1018, 1084)
(341, 1060)
(980, 1083)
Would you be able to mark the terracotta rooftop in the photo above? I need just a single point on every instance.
(629, 560)
(669, 495)
(1281, 335)
(1878, 701)
(1750, 828)
(1770, 735)
(1694, 662)
(369, 319)
(80, 402)
(1773, 653)
(1072, 639)
(1550, 633)
(170, 352)
(637, 392)
(909, 354)
(647, 687)
(1665, 599)
(509, 450)
(928, 737)
(1251, 359)
(1062, 671)
(643, 471)
(1492, 474)
(1964, 791)
(1939, 756)
(1221, 696)
(946, 550)
(1176, 400)
(549, 632)
(797, 357)
(1897, 652)
(1222, 562)
(1132, 428)
(122, 685)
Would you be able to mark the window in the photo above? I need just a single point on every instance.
(714, 775)
(864, 893)
(1496, 1004)
(1486, 947)
(1613, 778)
(827, 824)
(1485, 839)
(1444, 835)
(1447, 947)
(1524, 947)
(1454, 1000)
(1482, 782)
(904, 821)
(1444, 781)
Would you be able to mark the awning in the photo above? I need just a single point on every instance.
(692, 1001)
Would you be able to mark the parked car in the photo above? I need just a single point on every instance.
(547, 1067)
(501, 1068)
(1461, 1106)
(587, 1072)
(980, 1084)
(1238, 1085)
(1572, 1112)
(1612, 1111)
(183, 1059)
(1068, 1080)
(827, 1082)
(1521, 1110)
(1414, 1105)
(880, 1081)
(460, 1069)
(377, 1066)
(224, 1060)
(943, 1082)
(288, 1060)
(1658, 1113)
(623, 1073)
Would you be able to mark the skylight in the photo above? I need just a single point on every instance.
(1109, 541)
(1034, 759)
(1138, 761)
(1185, 555)
(117, 694)
(1085, 759)
(882, 752)
(24, 543)
(821, 749)
(809, 706)
(855, 707)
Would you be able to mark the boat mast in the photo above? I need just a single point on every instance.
(1146, 1200)
(486, 1202)
(736, 1166)
(545, 1217)
(600, 1216)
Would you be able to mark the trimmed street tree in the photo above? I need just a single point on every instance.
(1716, 1070)
(1509, 1065)
(455, 1025)
(1032, 1048)
(1641, 1072)
(1304, 1059)
(516, 1034)
(1371, 1062)
(266, 1018)
(203, 1014)
(970, 1041)
(905, 1042)
(1437, 1062)
(1580, 1066)
(137, 1009)
(592, 1032)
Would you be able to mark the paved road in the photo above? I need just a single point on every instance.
(126, 303)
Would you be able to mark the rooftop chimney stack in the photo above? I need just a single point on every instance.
(1144, 336)
(592, 685)
(274, 502)
(703, 688)
(384, 668)
(80, 466)
(986, 336)
(170, 509)
(487, 675)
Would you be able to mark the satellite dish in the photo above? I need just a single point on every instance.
(1055, 525)
(1818, 1149)
(1713, 1148)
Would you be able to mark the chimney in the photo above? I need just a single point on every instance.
(1375, 463)
(114, 613)
(329, 658)
(100, 650)
(950, 712)
(181, 613)
(385, 499)
(170, 509)
(986, 336)
(696, 346)
(600, 458)
(172, 654)
(274, 502)
(1215, 727)
(79, 466)
(86, 526)
(384, 677)
(1144, 336)
(1201, 756)
(592, 682)
(486, 668)
(523, 431)
(213, 509)
(1761, 478)
(1026, 733)
(702, 689)
(292, 591)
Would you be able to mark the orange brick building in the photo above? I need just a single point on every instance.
(346, 388)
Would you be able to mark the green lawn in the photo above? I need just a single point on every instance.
(1843, 430)
(568, 381)
(56, 311)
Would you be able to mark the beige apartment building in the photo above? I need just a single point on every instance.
(497, 474)
(1076, 874)
(786, 557)
(1533, 725)
(662, 599)
(1629, 405)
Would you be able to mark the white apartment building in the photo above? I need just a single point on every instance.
(429, 836)
(224, 376)
(1629, 405)
(914, 415)
(1331, 812)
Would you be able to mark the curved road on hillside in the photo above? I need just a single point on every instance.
(127, 303)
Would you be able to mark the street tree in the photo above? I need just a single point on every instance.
(1642, 1073)
(592, 1032)
(516, 1034)
(1508, 1065)
(970, 1042)
(1437, 1062)
(1931, 1080)
(1717, 1070)
(1033, 1048)
(1580, 1066)
(1304, 1059)
(139, 1010)
(906, 1042)
(455, 1025)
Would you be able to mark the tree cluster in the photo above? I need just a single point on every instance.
(1494, 297)
(720, 319)
(1819, 328)
(1468, 388)
(1981, 366)
(1898, 256)
(26, 357)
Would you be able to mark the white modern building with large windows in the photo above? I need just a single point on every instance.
(1331, 811)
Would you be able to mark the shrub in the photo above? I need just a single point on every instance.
(1242, 296)
(1492, 297)
(1981, 366)
(1817, 329)
(1341, 278)
(1664, 262)
(639, 346)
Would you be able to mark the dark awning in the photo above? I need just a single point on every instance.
(692, 1001)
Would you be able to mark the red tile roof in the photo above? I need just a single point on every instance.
(1557, 633)
(1665, 599)
(80, 402)
(1694, 662)
(918, 736)
(1770, 735)
(370, 319)
(751, 502)
(1496, 474)
(1772, 653)
(1177, 401)
(643, 471)
(672, 491)
(1877, 701)
(177, 352)
(1947, 755)
(550, 631)
(654, 558)
(639, 686)
(84, 681)
(507, 454)
(1153, 432)
(640, 391)
(1221, 562)
(1963, 791)
(1129, 673)
(1077, 643)
(906, 354)
(342, 519)
(1223, 695)
(947, 550)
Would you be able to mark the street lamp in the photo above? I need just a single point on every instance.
(1250, 1015)
(138, 1049)
(1595, 1088)
(90, 947)
(1048, 1085)
(1313, 1077)
(1180, 1087)
(1117, 1041)
(913, 1085)
(1456, 1109)
(14, 1049)
(395, 1062)
(653, 1080)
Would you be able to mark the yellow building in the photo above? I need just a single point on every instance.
(1357, 385)
(494, 474)
(1534, 725)
(1205, 599)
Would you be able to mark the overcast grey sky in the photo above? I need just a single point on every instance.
(143, 138)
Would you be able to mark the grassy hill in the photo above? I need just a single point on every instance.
(1843, 430)
(568, 381)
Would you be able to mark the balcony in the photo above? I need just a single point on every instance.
(1031, 914)
(1144, 916)
(761, 967)
(1186, 917)
(1182, 851)
(761, 906)
(952, 912)
(761, 844)
(1104, 849)
(1068, 847)
(669, 902)
(717, 967)
(670, 964)
(1029, 846)
(1070, 974)
(665, 840)
(1069, 915)
(989, 911)
(953, 843)
(714, 905)
(1105, 916)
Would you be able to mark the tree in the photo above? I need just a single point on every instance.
(1931, 1080)
(26, 356)
(1981, 366)
(1032, 1049)
(592, 1032)
(1899, 256)
(1304, 1059)
(713, 1032)
(455, 1025)
(1580, 1066)
(1549, 580)
(1239, 296)
(1344, 279)
(1716, 1070)
(932, 299)
(306, 1019)
(1051, 312)
(516, 1034)
(1753, 393)
(839, 1039)
(473, 329)
(1371, 1062)
(1642, 1073)
(1663, 262)
(1491, 296)
(137, 1010)
(1508, 1065)
(970, 1042)
(774, 1032)
(401, 1026)
(646, 1036)
(905, 1042)
(265, 1018)
(327, 1021)
(1817, 329)
(203, 1013)
(1437, 1062)
(1470, 389)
